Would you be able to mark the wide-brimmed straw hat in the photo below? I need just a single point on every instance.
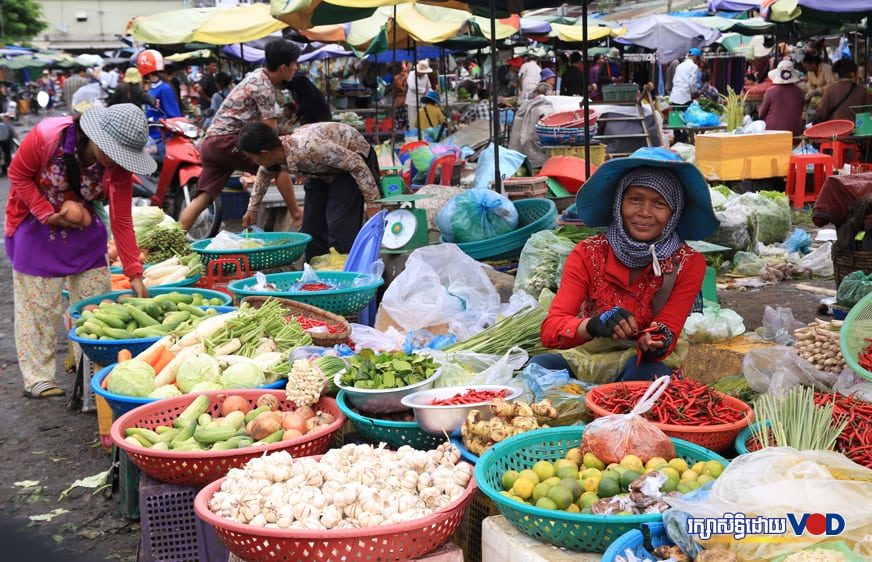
(121, 132)
(423, 67)
(784, 73)
(595, 200)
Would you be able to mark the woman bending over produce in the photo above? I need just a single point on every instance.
(635, 284)
(52, 232)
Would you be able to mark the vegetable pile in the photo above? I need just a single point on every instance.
(855, 439)
(508, 419)
(584, 484)
(864, 358)
(164, 242)
(818, 343)
(685, 402)
(132, 318)
(173, 270)
(796, 420)
(393, 369)
(237, 427)
(357, 486)
(318, 327)
(471, 396)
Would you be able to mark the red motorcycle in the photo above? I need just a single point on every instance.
(176, 185)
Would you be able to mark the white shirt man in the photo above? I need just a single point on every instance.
(684, 81)
(529, 78)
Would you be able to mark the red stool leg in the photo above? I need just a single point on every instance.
(790, 187)
(799, 186)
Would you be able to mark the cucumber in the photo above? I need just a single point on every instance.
(167, 306)
(235, 442)
(174, 297)
(161, 429)
(273, 437)
(213, 433)
(153, 310)
(234, 420)
(131, 326)
(176, 318)
(193, 411)
(204, 420)
(141, 317)
(117, 334)
(256, 412)
(195, 311)
(110, 320)
(93, 329)
(149, 332)
(184, 434)
(146, 434)
(117, 310)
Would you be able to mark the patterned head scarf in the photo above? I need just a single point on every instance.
(634, 253)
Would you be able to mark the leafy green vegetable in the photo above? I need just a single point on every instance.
(243, 375)
(394, 369)
(201, 367)
(165, 391)
(132, 378)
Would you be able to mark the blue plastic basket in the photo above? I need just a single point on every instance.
(394, 433)
(534, 215)
(120, 404)
(263, 257)
(76, 309)
(637, 541)
(575, 531)
(105, 352)
(344, 302)
(741, 443)
(464, 452)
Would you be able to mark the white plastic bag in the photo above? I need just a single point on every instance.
(819, 263)
(262, 285)
(714, 323)
(365, 337)
(228, 241)
(468, 324)
(779, 325)
(466, 367)
(777, 369)
(851, 384)
(438, 283)
(777, 481)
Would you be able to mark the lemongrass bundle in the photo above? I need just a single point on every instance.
(794, 420)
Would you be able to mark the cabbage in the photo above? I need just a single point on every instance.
(145, 218)
(206, 386)
(243, 375)
(132, 378)
(165, 391)
(198, 368)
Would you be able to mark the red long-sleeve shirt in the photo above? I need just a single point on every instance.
(26, 198)
(595, 281)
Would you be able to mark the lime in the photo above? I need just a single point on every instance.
(669, 486)
(575, 456)
(561, 496)
(545, 503)
(544, 470)
(508, 479)
(573, 508)
(713, 469)
(627, 478)
(678, 464)
(683, 488)
(590, 484)
(574, 486)
(689, 475)
(587, 499)
(613, 474)
(561, 463)
(523, 488)
(530, 475)
(587, 511)
(655, 461)
(698, 467)
(608, 487)
(703, 479)
(613, 466)
(588, 472)
(553, 481)
(633, 462)
(670, 473)
(591, 461)
(540, 490)
(568, 472)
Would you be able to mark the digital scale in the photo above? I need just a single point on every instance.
(405, 226)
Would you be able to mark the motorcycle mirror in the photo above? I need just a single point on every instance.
(42, 99)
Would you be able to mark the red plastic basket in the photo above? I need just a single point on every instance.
(220, 272)
(198, 468)
(570, 119)
(403, 541)
(830, 129)
(713, 437)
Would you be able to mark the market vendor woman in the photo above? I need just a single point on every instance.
(83, 159)
(625, 294)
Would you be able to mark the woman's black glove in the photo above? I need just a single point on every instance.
(603, 326)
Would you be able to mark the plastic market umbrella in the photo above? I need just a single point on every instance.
(216, 26)
(574, 33)
(305, 14)
(326, 52)
(672, 37)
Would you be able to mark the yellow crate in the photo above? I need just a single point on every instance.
(597, 152)
(728, 157)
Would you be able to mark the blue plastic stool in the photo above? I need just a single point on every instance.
(364, 252)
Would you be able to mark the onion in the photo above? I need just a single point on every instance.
(291, 434)
(305, 412)
(291, 420)
(234, 403)
(268, 400)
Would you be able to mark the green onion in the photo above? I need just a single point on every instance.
(523, 330)
(794, 420)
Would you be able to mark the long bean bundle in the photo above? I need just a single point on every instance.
(522, 329)
(252, 327)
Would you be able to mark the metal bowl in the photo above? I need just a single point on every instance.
(382, 401)
(439, 420)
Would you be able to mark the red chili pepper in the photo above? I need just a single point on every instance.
(314, 287)
(471, 396)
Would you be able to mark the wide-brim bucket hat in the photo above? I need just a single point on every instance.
(595, 200)
(784, 73)
(121, 132)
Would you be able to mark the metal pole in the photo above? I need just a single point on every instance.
(495, 106)
(394, 58)
(584, 88)
(417, 105)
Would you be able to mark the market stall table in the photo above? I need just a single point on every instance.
(502, 542)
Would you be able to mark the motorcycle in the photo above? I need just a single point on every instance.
(176, 185)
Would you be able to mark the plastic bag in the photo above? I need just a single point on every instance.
(571, 408)
(539, 379)
(228, 241)
(422, 339)
(696, 116)
(365, 337)
(420, 160)
(747, 264)
(438, 283)
(799, 242)
(851, 384)
(768, 215)
(262, 285)
(466, 367)
(732, 231)
(777, 369)
(779, 325)
(601, 360)
(853, 288)
(777, 481)
(311, 281)
(713, 324)
(467, 324)
(477, 214)
(510, 162)
(334, 261)
(541, 263)
(819, 263)
(611, 438)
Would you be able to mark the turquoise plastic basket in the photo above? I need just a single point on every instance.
(76, 309)
(575, 531)
(186, 282)
(265, 257)
(534, 215)
(394, 433)
(742, 439)
(344, 302)
(120, 404)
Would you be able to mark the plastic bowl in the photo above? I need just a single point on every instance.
(382, 401)
(440, 420)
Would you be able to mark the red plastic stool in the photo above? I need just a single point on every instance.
(796, 173)
(444, 166)
(837, 149)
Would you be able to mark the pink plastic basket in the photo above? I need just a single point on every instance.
(404, 541)
(570, 119)
(198, 468)
(830, 129)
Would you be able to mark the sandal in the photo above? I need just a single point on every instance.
(44, 389)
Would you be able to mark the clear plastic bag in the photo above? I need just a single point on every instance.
(611, 438)
(819, 263)
(541, 263)
(768, 216)
(713, 324)
(779, 325)
(477, 214)
(747, 264)
(776, 481)
(365, 337)
(261, 285)
(467, 324)
(777, 369)
(853, 288)
(229, 241)
(799, 242)
(422, 339)
(466, 367)
(733, 230)
(539, 379)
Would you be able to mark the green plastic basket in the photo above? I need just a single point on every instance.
(264, 257)
(344, 302)
(534, 215)
(76, 309)
(857, 326)
(394, 433)
(575, 531)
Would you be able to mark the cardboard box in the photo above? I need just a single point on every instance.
(728, 157)
(709, 362)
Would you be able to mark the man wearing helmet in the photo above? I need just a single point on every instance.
(150, 65)
(253, 99)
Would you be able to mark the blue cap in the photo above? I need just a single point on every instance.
(694, 52)
(546, 74)
(432, 96)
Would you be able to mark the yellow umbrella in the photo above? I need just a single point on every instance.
(305, 14)
(217, 26)
(573, 33)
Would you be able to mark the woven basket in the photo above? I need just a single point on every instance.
(849, 262)
(307, 310)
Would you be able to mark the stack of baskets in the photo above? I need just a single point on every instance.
(278, 249)
(526, 187)
(566, 127)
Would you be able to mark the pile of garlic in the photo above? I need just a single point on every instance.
(356, 486)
